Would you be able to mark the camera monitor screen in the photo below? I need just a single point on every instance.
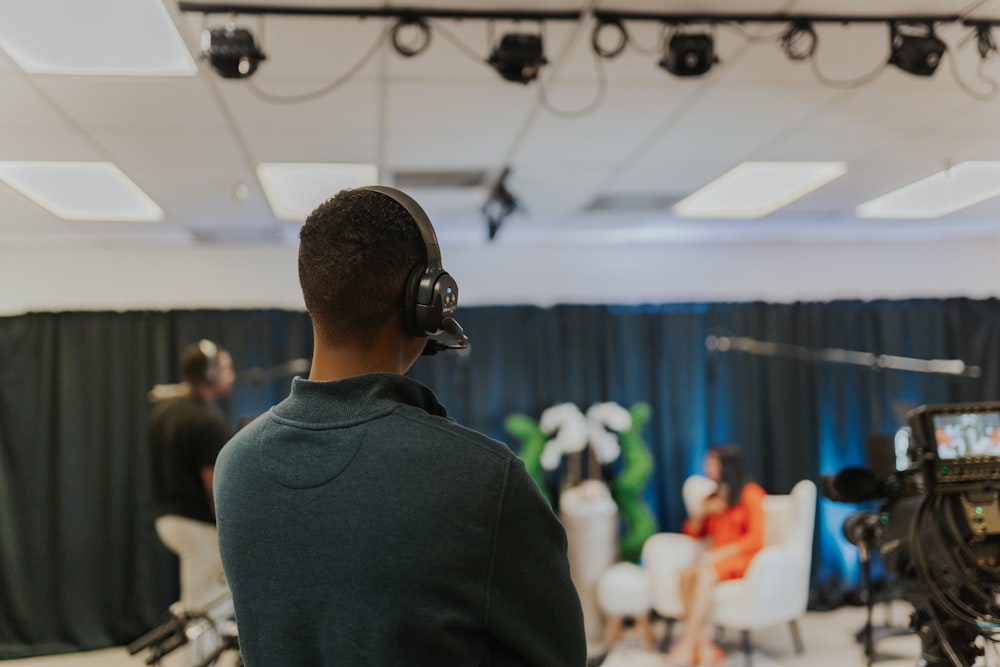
(964, 434)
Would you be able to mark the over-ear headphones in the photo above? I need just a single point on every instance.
(210, 351)
(430, 295)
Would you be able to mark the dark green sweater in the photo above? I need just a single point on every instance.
(359, 525)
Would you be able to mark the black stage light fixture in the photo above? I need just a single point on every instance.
(689, 54)
(915, 48)
(518, 57)
(232, 52)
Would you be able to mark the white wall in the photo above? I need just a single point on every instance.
(258, 276)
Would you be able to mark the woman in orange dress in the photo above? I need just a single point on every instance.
(732, 518)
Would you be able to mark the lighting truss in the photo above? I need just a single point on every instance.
(686, 52)
(914, 46)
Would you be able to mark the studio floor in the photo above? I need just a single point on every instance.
(829, 638)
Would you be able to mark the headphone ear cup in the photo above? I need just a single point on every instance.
(211, 354)
(411, 293)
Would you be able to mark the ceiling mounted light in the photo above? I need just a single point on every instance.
(915, 48)
(960, 186)
(410, 36)
(81, 190)
(109, 38)
(294, 189)
(518, 57)
(754, 189)
(232, 52)
(689, 54)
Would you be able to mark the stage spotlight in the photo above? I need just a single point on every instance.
(915, 48)
(689, 54)
(231, 51)
(518, 57)
(419, 36)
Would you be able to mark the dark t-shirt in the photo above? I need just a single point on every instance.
(186, 435)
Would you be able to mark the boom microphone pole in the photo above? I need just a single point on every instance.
(161, 392)
(841, 356)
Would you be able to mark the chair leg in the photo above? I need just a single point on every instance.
(747, 648)
(668, 635)
(796, 637)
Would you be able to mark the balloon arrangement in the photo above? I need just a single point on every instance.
(608, 432)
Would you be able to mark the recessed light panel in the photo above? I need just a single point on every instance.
(754, 189)
(112, 37)
(947, 191)
(81, 190)
(294, 189)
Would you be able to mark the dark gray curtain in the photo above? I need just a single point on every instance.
(80, 565)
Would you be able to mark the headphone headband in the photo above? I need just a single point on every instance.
(430, 296)
(421, 219)
(210, 351)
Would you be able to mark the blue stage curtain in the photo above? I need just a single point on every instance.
(795, 419)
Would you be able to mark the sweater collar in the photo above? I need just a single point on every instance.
(357, 398)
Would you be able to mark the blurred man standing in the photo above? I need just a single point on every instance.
(186, 434)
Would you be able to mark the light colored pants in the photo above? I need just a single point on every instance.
(203, 583)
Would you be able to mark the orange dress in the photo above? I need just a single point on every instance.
(742, 525)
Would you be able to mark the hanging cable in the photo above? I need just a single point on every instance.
(994, 87)
(847, 83)
(328, 88)
(401, 41)
(599, 95)
(603, 27)
(753, 38)
(462, 46)
(799, 41)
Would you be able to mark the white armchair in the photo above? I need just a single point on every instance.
(775, 588)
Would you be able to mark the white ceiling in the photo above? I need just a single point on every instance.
(190, 141)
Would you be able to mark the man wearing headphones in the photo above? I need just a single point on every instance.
(358, 524)
(186, 434)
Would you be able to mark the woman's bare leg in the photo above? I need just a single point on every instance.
(697, 584)
(701, 609)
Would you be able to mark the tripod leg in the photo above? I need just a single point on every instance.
(866, 577)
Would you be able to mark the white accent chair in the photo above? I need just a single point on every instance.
(775, 588)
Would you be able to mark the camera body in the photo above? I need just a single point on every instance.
(938, 529)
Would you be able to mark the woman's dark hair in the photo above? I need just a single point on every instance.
(733, 474)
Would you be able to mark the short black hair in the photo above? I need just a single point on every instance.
(356, 251)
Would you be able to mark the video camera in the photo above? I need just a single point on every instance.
(938, 528)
